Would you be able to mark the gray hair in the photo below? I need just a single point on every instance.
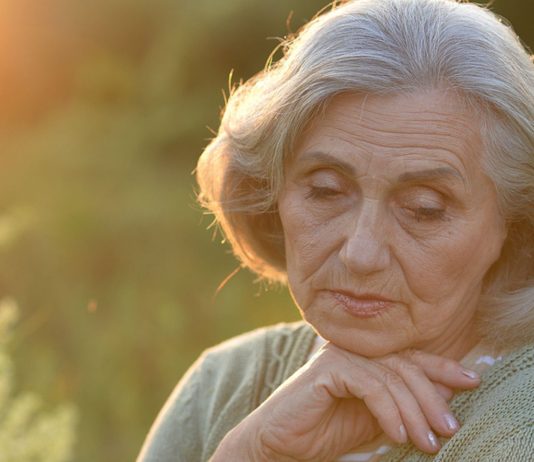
(383, 47)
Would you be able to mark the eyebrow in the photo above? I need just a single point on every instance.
(329, 160)
(419, 175)
(430, 174)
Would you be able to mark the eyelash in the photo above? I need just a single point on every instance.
(421, 214)
(320, 192)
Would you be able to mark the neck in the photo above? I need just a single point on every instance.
(458, 345)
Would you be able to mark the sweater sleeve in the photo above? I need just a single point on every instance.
(216, 393)
(223, 386)
(176, 436)
(518, 447)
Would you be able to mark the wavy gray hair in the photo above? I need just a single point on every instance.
(381, 47)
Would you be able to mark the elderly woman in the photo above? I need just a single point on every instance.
(384, 168)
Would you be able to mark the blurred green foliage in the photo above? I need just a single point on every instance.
(27, 434)
(106, 107)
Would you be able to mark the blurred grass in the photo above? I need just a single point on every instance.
(105, 110)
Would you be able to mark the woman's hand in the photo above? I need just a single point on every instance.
(339, 400)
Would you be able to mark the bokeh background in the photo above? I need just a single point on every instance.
(105, 259)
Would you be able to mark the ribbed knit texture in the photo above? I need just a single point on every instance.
(229, 381)
(497, 417)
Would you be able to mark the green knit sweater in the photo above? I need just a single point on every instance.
(229, 381)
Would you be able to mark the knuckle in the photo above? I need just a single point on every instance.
(413, 355)
(375, 388)
(402, 365)
(410, 368)
(391, 379)
(445, 365)
(328, 355)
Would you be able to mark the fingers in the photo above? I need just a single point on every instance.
(423, 403)
(358, 379)
(384, 407)
(444, 370)
(406, 393)
(417, 415)
(424, 409)
(420, 385)
(413, 419)
(445, 392)
(389, 398)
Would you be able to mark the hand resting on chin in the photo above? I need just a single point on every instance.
(340, 400)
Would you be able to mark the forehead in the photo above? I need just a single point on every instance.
(428, 129)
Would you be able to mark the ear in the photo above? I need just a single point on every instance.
(504, 231)
(499, 243)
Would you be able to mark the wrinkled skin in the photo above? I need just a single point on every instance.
(386, 195)
(339, 400)
(390, 226)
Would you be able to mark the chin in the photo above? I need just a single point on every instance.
(370, 336)
(368, 343)
(369, 348)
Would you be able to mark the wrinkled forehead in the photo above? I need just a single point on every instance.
(397, 133)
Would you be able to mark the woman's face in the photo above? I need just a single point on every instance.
(390, 223)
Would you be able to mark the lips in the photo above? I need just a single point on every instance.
(362, 305)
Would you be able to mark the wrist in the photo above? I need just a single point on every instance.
(243, 445)
(239, 445)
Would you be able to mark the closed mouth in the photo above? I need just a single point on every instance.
(363, 305)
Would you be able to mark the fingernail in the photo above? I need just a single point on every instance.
(433, 440)
(471, 374)
(452, 423)
(403, 434)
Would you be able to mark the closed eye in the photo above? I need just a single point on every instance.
(321, 192)
(427, 213)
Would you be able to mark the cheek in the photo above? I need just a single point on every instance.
(310, 244)
(451, 263)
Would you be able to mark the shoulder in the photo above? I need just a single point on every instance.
(257, 338)
(225, 384)
(240, 373)
(496, 417)
(509, 383)
(279, 339)
(249, 367)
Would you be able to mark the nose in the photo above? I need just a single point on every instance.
(366, 247)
